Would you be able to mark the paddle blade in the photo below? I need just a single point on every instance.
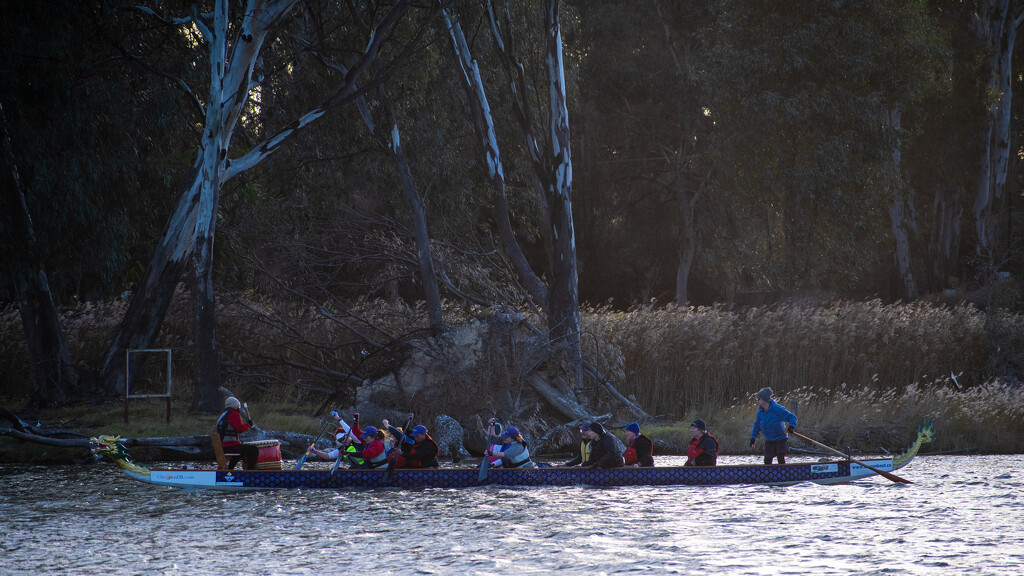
(485, 465)
(301, 461)
(335, 467)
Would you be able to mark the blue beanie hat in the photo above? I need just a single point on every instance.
(420, 429)
(511, 432)
(368, 432)
(634, 428)
(699, 425)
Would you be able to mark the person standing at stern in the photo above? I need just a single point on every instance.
(775, 422)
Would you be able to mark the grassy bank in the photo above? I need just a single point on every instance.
(988, 418)
(858, 374)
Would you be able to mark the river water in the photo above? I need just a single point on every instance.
(963, 514)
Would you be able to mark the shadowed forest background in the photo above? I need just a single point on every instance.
(654, 207)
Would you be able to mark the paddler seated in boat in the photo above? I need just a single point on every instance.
(514, 452)
(586, 445)
(639, 448)
(342, 442)
(604, 453)
(229, 426)
(373, 453)
(775, 422)
(421, 452)
(703, 447)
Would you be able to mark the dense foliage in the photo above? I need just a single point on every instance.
(727, 145)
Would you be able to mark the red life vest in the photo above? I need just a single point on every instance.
(630, 454)
(695, 449)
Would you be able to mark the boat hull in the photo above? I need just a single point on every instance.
(832, 472)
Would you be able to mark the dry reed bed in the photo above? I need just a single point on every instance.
(860, 374)
(850, 369)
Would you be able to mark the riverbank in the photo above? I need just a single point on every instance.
(859, 375)
(855, 421)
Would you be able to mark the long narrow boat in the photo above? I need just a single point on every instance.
(822, 472)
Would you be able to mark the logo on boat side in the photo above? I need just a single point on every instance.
(824, 468)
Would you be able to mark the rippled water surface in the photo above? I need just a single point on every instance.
(963, 515)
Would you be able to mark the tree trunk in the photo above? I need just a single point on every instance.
(901, 216)
(563, 295)
(216, 139)
(944, 241)
(688, 245)
(207, 398)
(483, 122)
(392, 144)
(142, 321)
(53, 378)
(898, 216)
(996, 25)
(424, 253)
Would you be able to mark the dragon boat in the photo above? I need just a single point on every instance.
(820, 472)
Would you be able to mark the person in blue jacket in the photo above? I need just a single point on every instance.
(775, 422)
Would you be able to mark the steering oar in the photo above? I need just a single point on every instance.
(888, 475)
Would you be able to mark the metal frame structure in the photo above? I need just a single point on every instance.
(127, 380)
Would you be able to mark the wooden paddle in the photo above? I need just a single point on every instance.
(888, 475)
(302, 460)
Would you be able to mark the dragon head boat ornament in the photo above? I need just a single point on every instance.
(925, 434)
(111, 447)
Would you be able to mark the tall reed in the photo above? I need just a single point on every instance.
(671, 358)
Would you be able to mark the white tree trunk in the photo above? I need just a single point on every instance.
(901, 216)
(996, 24)
(563, 296)
(391, 142)
(688, 246)
(469, 72)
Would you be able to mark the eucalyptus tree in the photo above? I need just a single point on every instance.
(549, 149)
(233, 41)
(804, 98)
(484, 124)
(995, 23)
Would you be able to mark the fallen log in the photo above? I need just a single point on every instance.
(569, 426)
(563, 402)
(198, 446)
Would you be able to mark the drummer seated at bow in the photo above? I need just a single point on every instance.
(229, 426)
(415, 449)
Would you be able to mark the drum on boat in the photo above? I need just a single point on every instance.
(269, 457)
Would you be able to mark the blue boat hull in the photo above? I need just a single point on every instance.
(832, 472)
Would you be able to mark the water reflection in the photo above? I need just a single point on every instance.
(962, 514)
